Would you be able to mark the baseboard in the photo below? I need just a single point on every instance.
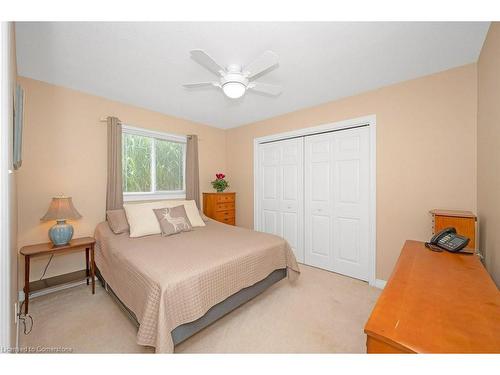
(379, 283)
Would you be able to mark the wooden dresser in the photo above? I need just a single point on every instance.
(436, 302)
(220, 207)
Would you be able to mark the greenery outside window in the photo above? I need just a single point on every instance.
(154, 165)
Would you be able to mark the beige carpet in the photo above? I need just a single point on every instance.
(322, 312)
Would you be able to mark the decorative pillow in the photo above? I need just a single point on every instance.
(142, 219)
(172, 220)
(117, 220)
(191, 211)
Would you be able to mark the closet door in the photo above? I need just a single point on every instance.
(318, 199)
(269, 185)
(337, 201)
(351, 172)
(281, 191)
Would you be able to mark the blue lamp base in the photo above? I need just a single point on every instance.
(61, 233)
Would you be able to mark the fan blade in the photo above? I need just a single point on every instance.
(200, 84)
(267, 60)
(202, 58)
(265, 88)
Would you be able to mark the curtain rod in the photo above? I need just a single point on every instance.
(105, 119)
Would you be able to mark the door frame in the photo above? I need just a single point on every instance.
(7, 313)
(371, 122)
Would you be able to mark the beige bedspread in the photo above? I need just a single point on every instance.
(169, 281)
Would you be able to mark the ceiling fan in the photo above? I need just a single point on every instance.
(234, 79)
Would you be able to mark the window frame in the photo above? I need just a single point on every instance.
(156, 194)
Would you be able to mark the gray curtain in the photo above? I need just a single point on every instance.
(114, 191)
(192, 170)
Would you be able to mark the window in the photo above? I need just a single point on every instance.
(153, 165)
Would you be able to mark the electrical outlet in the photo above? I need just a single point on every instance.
(16, 313)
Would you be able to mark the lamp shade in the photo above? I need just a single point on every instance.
(61, 208)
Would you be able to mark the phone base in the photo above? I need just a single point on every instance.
(432, 247)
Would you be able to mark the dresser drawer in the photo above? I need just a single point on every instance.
(224, 206)
(224, 198)
(220, 215)
(228, 220)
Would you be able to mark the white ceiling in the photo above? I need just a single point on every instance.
(145, 64)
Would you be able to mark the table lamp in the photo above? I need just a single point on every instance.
(61, 209)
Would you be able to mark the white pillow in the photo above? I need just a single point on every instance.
(143, 221)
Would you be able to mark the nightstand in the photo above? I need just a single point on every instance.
(48, 248)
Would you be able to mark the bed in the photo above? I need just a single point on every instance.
(175, 286)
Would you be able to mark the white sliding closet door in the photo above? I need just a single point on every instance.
(351, 199)
(318, 214)
(337, 202)
(281, 191)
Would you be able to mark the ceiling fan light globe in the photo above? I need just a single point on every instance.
(234, 90)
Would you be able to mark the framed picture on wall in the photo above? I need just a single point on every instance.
(18, 127)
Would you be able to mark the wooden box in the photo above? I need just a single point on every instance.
(463, 221)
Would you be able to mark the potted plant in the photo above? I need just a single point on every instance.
(220, 184)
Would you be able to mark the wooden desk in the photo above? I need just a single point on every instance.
(436, 303)
(48, 248)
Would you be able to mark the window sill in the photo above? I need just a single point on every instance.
(134, 197)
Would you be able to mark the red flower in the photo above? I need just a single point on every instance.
(220, 176)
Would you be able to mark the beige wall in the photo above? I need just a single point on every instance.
(64, 151)
(426, 153)
(420, 126)
(488, 150)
